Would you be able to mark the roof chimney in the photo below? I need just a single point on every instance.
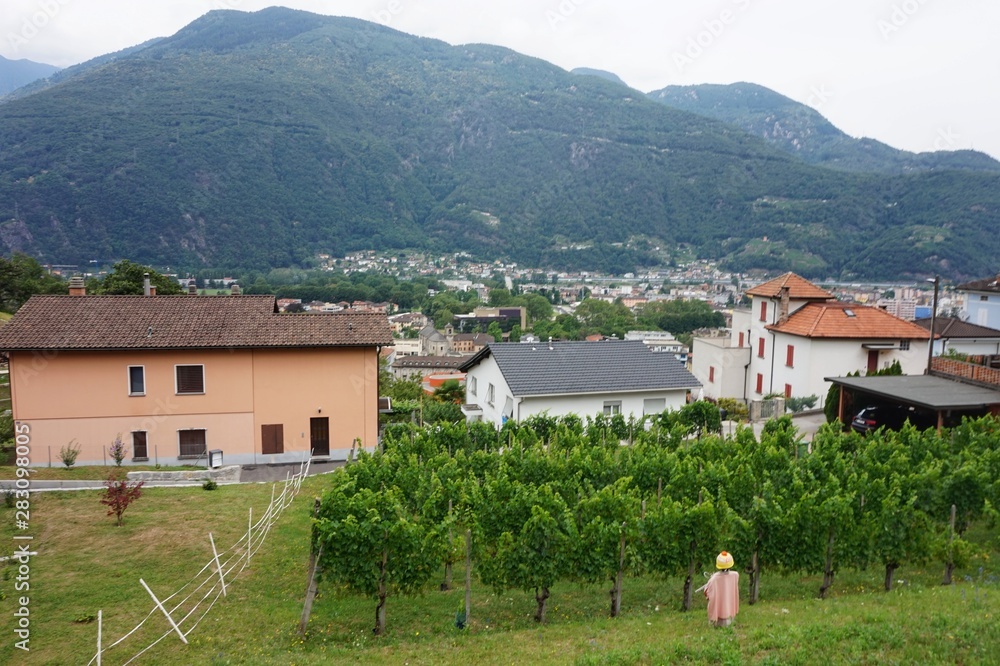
(783, 306)
(192, 288)
(147, 289)
(76, 286)
(235, 290)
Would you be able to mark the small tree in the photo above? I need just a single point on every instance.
(119, 494)
(117, 450)
(373, 544)
(69, 452)
(451, 391)
(495, 332)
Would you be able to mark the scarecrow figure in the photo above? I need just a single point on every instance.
(723, 592)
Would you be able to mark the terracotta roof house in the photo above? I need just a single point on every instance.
(515, 380)
(798, 288)
(470, 343)
(795, 335)
(176, 376)
(983, 300)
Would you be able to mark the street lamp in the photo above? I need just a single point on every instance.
(936, 280)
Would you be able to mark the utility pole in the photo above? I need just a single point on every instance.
(934, 308)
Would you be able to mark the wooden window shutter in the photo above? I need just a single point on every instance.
(190, 379)
(272, 438)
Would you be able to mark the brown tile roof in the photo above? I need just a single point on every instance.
(986, 284)
(175, 322)
(949, 327)
(848, 320)
(430, 361)
(475, 338)
(799, 288)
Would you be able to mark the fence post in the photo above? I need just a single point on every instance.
(164, 610)
(218, 567)
(249, 532)
(99, 622)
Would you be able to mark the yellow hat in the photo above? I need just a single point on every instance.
(724, 561)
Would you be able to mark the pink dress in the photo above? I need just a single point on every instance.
(723, 592)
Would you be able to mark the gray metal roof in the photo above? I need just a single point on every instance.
(952, 328)
(585, 367)
(930, 391)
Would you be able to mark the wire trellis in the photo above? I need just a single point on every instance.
(193, 600)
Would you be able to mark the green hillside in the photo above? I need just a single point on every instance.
(259, 139)
(802, 131)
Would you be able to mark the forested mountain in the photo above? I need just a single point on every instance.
(16, 73)
(600, 73)
(258, 139)
(801, 130)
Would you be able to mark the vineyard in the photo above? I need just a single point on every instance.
(600, 500)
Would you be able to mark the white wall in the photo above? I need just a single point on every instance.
(985, 346)
(819, 358)
(984, 313)
(487, 371)
(592, 404)
(729, 363)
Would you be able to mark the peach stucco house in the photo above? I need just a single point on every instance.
(177, 376)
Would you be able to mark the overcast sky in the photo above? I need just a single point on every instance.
(917, 74)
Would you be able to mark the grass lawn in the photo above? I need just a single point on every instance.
(86, 563)
(59, 472)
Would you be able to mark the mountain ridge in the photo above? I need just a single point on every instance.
(17, 73)
(251, 139)
(803, 131)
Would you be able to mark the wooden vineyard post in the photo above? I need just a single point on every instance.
(468, 577)
(949, 565)
(314, 556)
(446, 585)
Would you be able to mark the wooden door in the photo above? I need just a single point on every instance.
(872, 360)
(319, 435)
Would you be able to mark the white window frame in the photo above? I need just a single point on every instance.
(472, 385)
(904, 345)
(490, 394)
(128, 375)
(659, 411)
(204, 387)
(612, 407)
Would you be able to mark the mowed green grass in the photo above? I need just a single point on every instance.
(85, 563)
(59, 472)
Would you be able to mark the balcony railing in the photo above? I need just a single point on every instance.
(984, 370)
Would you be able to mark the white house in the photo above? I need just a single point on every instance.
(660, 341)
(983, 301)
(796, 334)
(962, 336)
(515, 381)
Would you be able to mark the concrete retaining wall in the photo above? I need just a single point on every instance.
(228, 474)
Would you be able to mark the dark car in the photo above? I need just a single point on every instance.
(891, 417)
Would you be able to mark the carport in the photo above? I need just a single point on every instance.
(945, 397)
